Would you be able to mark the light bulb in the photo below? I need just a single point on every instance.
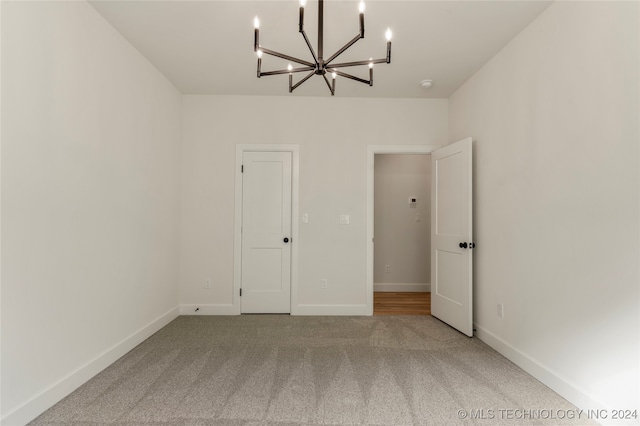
(303, 3)
(256, 22)
(289, 68)
(388, 34)
(361, 7)
(259, 54)
(371, 63)
(334, 75)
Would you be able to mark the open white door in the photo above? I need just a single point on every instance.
(451, 236)
(266, 232)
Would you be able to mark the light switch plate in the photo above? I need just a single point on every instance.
(344, 219)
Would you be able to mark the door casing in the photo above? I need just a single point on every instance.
(237, 226)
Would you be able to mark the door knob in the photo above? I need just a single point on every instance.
(472, 245)
(286, 240)
(463, 245)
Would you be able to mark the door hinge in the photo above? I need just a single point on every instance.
(240, 292)
(242, 168)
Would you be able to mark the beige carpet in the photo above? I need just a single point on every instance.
(270, 369)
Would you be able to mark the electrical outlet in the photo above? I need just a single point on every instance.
(500, 310)
(387, 269)
(323, 283)
(207, 283)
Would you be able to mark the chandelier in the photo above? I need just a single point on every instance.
(319, 66)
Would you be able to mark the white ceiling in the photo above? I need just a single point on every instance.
(206, 47)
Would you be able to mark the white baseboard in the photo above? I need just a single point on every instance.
(330, 310)
(562, 386)
(50, 396)
(317, 310)
(407, 287)
(208, 310)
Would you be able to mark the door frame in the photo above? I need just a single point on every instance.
(372, 150)
(237, 222)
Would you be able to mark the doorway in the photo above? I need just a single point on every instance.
(452, 230)
(402, 232)
(411, 213)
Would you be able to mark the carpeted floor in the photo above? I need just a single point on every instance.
(270, 369)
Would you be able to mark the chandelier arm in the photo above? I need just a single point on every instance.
(306, 39)
(279, 72)
(287, 57)
(326, 80)
(358, 63)
(353, 77)
(307, 77)
(346, 46)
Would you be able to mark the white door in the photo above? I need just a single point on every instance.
(451, 236)
(266, 232)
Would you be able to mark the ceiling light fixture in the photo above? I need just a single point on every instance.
(426, 84)
(319, 66)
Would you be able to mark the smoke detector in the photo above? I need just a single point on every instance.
(426, 84)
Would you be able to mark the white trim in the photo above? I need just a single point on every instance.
(237, 241)
(220, 309)
(372, 150)
(332, 310)
(0, 226)
(559, 384)
(406, 287)
(54, 393)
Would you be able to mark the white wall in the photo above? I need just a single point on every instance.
(402, 239)
(90, 181)
(333, 134)
(554, 117)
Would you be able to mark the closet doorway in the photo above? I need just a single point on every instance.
(401, 234)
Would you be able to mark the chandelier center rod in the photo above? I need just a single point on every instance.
(320, 36)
